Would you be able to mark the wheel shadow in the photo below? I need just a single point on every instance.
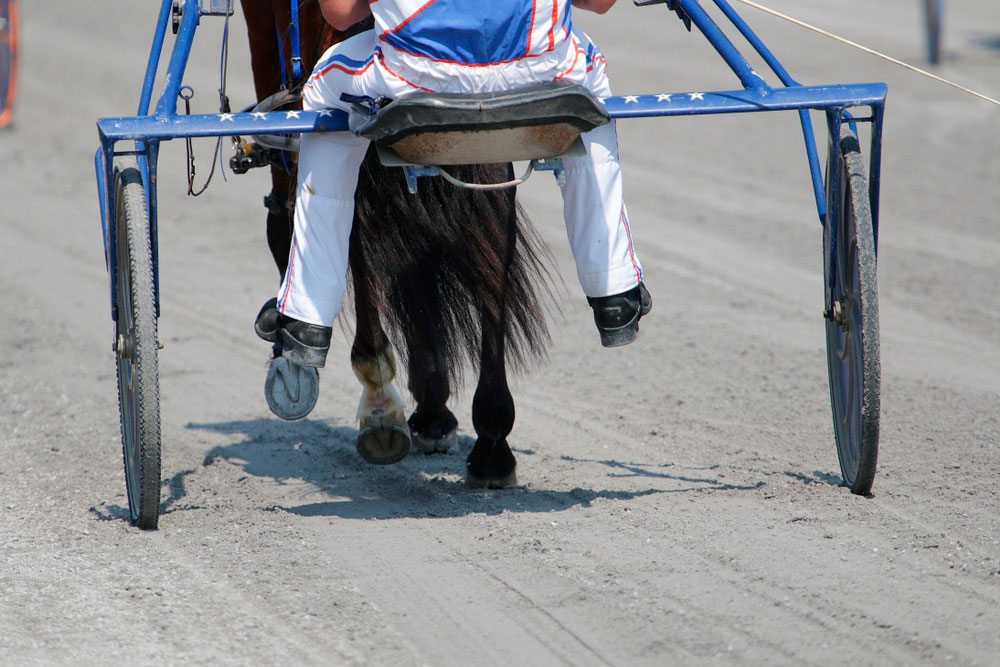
(817, 477)
(991, 41)
(323, 456)
(176, 491)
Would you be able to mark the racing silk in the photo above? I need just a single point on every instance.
(475, 45)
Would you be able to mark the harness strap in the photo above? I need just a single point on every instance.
(281, 55)
(276, 204)
(293, 35)
(366, 102)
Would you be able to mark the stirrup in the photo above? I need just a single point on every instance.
(291, 390)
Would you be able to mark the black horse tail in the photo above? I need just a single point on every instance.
(447, 259)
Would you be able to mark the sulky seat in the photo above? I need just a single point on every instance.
(535, 122)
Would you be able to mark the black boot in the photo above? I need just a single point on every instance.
(268, 320)
(645, 300)
(617, 316)
(303, 343)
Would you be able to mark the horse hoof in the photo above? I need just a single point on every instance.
(474, 482)
(491, 465)
(383, 443)
(433, 431)
(432, 445)
(291, 390)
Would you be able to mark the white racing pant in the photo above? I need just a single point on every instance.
(593, 206)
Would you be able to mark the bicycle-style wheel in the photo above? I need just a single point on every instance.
(8, 60)
(852, 329)
(137, 347)
(932, 30)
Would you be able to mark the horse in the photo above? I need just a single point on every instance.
(271, 52)
(450, 277)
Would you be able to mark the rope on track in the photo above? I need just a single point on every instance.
(867, 50)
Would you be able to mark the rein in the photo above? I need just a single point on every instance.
(297, 77)
(186, 93)
(873, 52)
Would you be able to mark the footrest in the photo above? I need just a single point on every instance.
(291, 390)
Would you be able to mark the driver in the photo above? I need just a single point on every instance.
(467, 46)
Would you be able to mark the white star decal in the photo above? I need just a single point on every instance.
(223, 117)
(697, 96)
(631, 99)
(325, 112)
(663, 97)
(291, 114)
(259, 115)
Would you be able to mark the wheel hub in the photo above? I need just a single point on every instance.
(836, 313)
(125, 347)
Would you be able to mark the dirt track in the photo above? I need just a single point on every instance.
(680, 498)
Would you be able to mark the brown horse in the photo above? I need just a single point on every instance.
(271, 49)
(449, 277)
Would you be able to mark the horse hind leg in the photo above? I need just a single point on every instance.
(433, 426)
(383, 434)
(491, 464)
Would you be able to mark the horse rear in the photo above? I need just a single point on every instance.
(451, 278)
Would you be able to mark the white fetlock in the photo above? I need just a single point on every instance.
(383, 406)
(383, 434)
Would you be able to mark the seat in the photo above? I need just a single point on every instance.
(536, 122)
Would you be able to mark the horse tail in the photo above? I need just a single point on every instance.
(447, 259)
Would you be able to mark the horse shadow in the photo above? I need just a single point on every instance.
(322, 455)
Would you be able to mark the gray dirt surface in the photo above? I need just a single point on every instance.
(680, 498)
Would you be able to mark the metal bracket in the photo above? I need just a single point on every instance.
(672, 5)
(175, 16)
(553, 164)
(217, 7)
(415, 171)
(203, 7)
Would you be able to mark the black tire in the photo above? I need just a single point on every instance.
(932, 30)
(852, 331)
(137, 347)
(8, 60)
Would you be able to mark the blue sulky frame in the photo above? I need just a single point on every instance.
(147, 129)
(850, 299)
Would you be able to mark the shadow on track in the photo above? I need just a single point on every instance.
(323, 455)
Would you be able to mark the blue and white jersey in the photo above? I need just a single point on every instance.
(475, 45)
(472, 32)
